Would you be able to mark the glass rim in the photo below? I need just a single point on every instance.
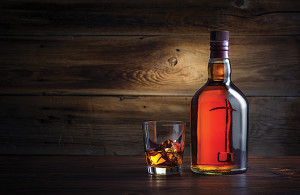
(164, 123)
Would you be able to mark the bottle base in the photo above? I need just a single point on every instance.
(217, 169)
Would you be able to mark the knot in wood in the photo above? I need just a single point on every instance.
(241, 3)
(172, 61)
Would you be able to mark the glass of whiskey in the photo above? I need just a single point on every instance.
(164, 145)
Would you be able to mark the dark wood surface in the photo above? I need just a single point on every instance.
(136, 65)
(78, 77)
(128, 175)
(118, 17)
(103, 125)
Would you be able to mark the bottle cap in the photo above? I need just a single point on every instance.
(219, 42)
(219, 35)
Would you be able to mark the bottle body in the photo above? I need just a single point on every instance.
(219, 124)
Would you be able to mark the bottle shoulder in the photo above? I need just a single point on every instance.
(211, 91)
(236, 92)
(198, 93)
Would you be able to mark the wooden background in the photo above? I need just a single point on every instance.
(79, 77)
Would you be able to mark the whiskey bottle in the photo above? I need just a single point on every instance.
(219, 117)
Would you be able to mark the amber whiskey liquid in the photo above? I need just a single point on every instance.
(168, 154)
(219, 119)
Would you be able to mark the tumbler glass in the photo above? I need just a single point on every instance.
(164, 145)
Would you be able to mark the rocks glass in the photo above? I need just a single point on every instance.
(164, 144)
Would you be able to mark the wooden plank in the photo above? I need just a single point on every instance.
(270, 119)
(92, 17)
(104, 125)
(159, 65)
(128, 175)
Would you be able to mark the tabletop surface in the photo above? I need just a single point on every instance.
(128, 175)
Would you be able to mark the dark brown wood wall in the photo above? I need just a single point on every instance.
(79, 77)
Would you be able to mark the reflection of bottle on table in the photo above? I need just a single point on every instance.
(219, 117)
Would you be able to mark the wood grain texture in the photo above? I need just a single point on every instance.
(159, 65)
(104, 125)
(117, 17)
(128, 175)
(78, 77)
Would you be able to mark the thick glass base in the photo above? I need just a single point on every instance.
(164, 170)
(217, 169)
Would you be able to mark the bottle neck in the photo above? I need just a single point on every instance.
(219, 70)
(219, 49)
